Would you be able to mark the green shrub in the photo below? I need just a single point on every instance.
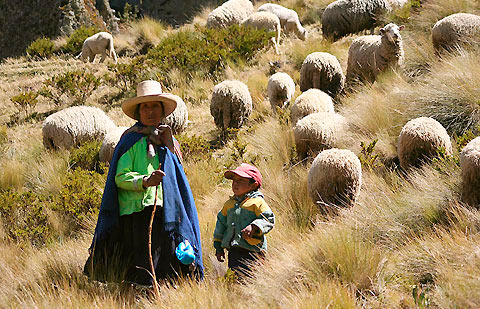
(207, 50)
(41, 48)
(80, 197)
(75, 41)
(24, 217)
(86, 157)
(130, 13)
(194, 148)
(25, 101)
(77, 86)
(126, 76)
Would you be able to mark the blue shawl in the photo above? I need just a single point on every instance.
(180, 213)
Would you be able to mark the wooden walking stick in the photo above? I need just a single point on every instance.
(152, 267)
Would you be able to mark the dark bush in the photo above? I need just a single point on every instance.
(86, 156)
(75, 41)
(207, 50)
(41, 48)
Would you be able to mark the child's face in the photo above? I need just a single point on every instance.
(242, 185)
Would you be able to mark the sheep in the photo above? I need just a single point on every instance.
(74, 125)
(322, 71)
(343, 17)
(231, 104)
(318, 131)
(309, 102)
(178, 120)
(229, 13)
(99, 43)
(370, 54)
(335, 177)
(420, 139)
(280, 89)
(267, 21)
(470, 165)
(288, 19)
(109, 143)
(456, 30)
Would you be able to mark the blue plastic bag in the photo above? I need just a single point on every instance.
(185, 253)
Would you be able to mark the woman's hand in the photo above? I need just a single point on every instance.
(154, 179)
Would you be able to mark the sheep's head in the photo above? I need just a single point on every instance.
(392, 33)
(303, 34)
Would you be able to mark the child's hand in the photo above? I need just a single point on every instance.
(249, 230)
(220, 256)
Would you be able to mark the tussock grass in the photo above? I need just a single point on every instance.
(148, 32)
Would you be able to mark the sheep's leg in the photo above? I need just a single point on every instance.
(275, 45)
(104, 56)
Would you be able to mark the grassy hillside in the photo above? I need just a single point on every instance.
(408, 241)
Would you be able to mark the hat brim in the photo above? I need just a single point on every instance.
(230, 174)
(169, 103)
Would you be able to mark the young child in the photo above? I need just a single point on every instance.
(243, 221)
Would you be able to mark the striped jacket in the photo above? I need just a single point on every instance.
(235, 215)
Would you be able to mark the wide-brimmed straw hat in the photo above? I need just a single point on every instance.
(150, 91)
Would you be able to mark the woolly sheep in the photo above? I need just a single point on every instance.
(420, 139)
(229, 13)
(335, 177)
(72, 126)
(231, 104)
(343, 17)
(288, 19)
(267, 21)
(318, 131)
(280, 89)
(322, 71)
(311, 101)
(470, 165)
(109, 143)
(370, 54)
(178, 120)
(455, 30)
(99, 43)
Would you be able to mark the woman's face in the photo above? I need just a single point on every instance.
(151, 113)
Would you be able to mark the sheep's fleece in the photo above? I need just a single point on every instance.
(335, 177)
(109, 143)
(420, 139)
(280, 89)
(311, 101)
(455, 31)
(322, 71)
(288, 19)
(267, 21)
(99, 43)
(178, 120)
(231, 104)
(229, 13)
(470, 165)
(74, 125)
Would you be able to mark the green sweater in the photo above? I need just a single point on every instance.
(132, 166)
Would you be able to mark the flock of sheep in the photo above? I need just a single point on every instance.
(335, 176)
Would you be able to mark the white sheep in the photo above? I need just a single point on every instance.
(343, 17)
(178, 120)
(99, 43)
(74, 125)
(229, 13)
(370, 54)
(420, 139)
(470, 165)
(456, 30)
(335, 177)
(311, 101)
(231, 104)
(109, 143)
(322, 71)
(280, 89)
(288, 19)
(267, 21)
(318, 131)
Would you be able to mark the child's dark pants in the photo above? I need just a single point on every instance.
(240, 260)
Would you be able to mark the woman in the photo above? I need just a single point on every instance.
(145, 170)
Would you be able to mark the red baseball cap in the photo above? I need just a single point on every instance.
(247, 171)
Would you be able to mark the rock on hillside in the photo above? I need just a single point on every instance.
(22, 22)
(173, 12)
